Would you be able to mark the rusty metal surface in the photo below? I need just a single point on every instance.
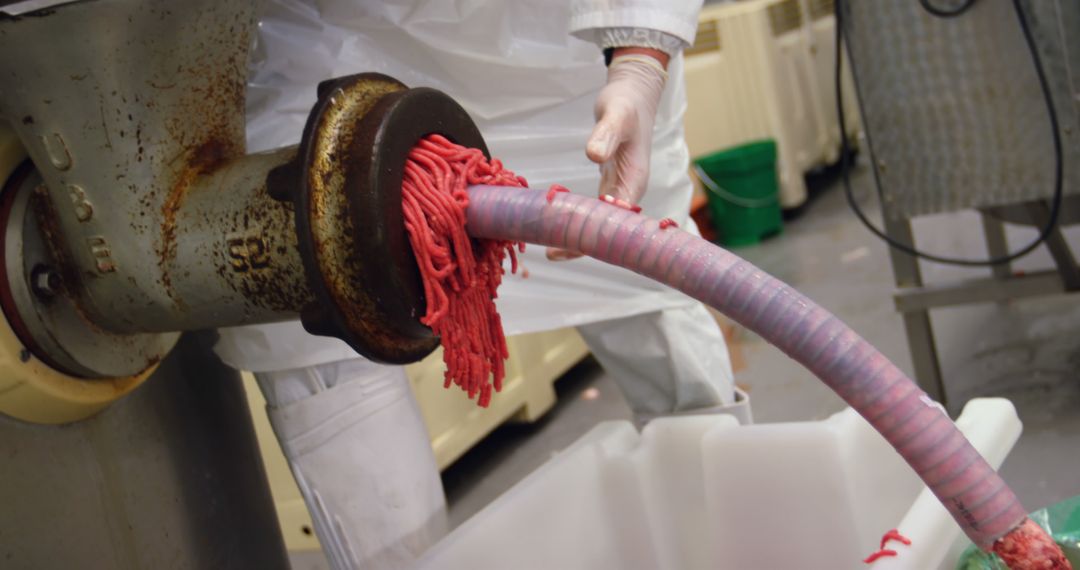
(325, 225)
(15, 292)
(235, 258)
(346, 185)
(133, 112)
(237, 261)
(53, 327)
(123, 106)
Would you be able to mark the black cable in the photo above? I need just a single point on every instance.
(1055, 207)
(946, 12)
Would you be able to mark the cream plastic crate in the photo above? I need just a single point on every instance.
(703, 492)
(757, 71)
(819, 27)
(454, 422)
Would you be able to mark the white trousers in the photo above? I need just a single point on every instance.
(667, 361)
(360, 453)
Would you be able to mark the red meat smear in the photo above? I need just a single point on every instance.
(1028, 547)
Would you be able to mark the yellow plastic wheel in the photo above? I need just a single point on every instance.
(30, 390)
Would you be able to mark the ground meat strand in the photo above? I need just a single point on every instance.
(668, 223)
(621, 203)
(894, 535)
(460, 274)
(882, 551)
(879, 554)
(555, 189)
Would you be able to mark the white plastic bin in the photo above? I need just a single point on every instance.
(704, 492)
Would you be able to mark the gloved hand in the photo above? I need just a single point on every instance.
(621, 141)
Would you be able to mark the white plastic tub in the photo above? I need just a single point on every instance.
(704, 492)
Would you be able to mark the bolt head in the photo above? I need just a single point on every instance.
(45, 282)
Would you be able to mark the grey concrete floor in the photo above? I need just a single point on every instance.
(1027, 351)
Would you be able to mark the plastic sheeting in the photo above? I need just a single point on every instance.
(1062, 521)
(528, 84)
(667, 361)
(358, 449)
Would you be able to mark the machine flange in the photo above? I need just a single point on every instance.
(32, 388)
(346, 187)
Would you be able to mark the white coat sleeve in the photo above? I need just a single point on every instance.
(676, 18)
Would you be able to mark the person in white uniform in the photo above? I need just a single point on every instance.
(531, 75)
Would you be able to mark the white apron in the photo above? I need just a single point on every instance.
(529, 85)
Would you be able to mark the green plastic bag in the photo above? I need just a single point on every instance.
(1062, 521)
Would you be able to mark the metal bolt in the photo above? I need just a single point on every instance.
(45, 282)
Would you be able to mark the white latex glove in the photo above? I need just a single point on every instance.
(625, 110)
(621, 141)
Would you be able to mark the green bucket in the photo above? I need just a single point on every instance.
(743, 192)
